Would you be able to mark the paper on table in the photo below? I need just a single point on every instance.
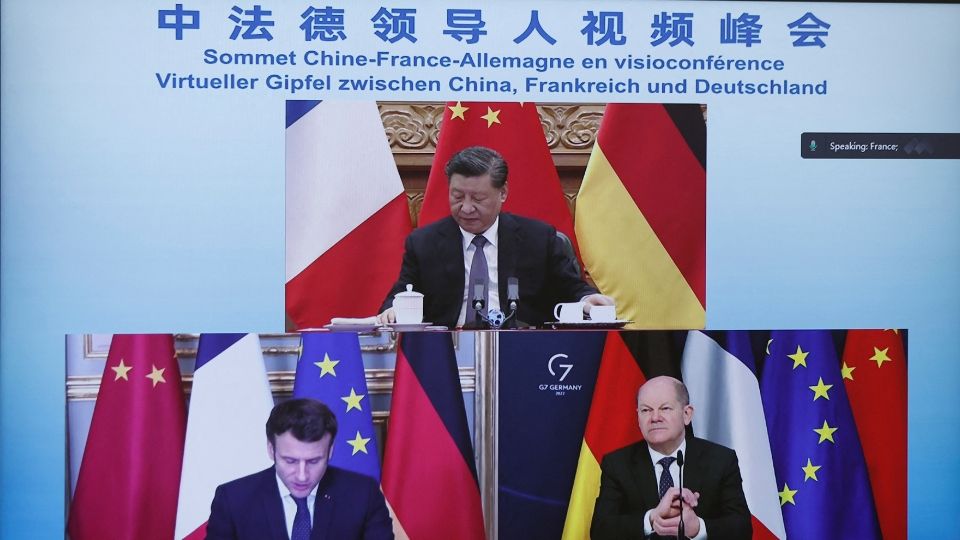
(354, 320)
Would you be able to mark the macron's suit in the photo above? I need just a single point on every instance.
(348, 506)
(527, 249)
(628, 488)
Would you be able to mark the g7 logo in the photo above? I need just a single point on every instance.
(566, 367)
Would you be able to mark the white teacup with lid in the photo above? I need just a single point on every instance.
(408, 306)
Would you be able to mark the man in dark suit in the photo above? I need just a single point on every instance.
(441, 259)
(638, 497)
(300, 497)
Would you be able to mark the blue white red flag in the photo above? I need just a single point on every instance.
(229, 405)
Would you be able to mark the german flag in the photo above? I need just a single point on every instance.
(641, 214)
(429, 476)
(629, 359)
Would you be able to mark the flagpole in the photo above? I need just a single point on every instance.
(486, 345)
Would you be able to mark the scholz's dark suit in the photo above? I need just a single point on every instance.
(628, 488)
(348, 506)
(527, 249)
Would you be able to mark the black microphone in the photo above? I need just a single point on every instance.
(478, 300)
(513, 300)
(681, 533)
(513, 293)
(478, 303)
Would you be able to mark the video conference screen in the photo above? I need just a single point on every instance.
(147, 170)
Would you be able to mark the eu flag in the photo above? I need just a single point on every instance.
(824, 489)
(330, 369)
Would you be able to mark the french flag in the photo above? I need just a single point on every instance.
(724, 389)
(229, 406)
(346, 212)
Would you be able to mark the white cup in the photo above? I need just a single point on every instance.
(408, 316)
(408, 306)
(603, 313)
(569, 312)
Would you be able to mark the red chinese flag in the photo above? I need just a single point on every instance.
(875, 376)
(130, 475)
(514, 130)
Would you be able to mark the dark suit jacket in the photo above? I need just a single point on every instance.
(348, 505)
(628, 488)
(527, 249)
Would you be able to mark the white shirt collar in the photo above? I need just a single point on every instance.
(490, 234)
(657, 456)
(284, 492)
(290, 505)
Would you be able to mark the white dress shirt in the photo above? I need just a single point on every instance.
(490, 252)
(290, 505)
(675, 474)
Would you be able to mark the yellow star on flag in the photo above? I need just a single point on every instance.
(847, 371)
(799, 358)
(786, 496)
(492, 117)
(826, 433)
(820, 390)
(359, 444)
(121, 369)
(327, 365)
(810, 471)
(880, 356)
(156, 376)
(457, 111)
(353, 400)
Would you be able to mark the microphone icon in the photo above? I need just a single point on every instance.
(813, 145)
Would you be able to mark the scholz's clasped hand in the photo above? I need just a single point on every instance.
(665, 518)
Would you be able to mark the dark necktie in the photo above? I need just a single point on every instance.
(478, 272)
(666, 481)
(301, 523)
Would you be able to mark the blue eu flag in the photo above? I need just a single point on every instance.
(330, 369)
(821, 475)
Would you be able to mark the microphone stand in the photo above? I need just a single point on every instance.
(482, 322)
(495, 319)
(681, 532)
(485, 322)
(479, 303)
(510, 320)
(513, 301)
